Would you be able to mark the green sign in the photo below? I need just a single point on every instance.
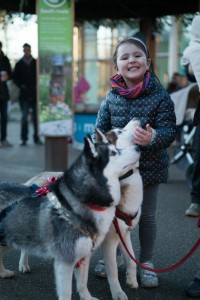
(55, 24)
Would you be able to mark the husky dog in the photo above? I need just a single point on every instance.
(69, 232)
(127, 216)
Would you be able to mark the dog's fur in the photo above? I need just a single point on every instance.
(69, 234)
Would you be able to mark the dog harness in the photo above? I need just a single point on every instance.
(46, 191)
(120, 214)
(125, 217)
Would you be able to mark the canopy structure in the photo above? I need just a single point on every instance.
(146, 11)
(109, 9)
(124, 9)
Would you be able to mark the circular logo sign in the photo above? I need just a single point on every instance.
(55, 3)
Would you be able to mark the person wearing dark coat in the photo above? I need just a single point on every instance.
(24, 76)
(5, 74)
(137, 93)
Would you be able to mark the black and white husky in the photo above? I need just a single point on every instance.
(69, 231)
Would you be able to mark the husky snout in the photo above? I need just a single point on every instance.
(137, 148)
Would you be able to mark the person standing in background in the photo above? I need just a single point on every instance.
(174, 84)
(191, 62)
(5, 74)
(24, 76)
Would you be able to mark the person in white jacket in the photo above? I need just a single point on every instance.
(191, 61)
(191, 54)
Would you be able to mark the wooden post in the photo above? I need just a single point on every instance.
(56, 153)
(146, 27)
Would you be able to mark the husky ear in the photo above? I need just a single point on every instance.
(89, 147)
(100, 137)
(89, 137)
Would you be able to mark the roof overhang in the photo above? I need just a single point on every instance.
(109, 9)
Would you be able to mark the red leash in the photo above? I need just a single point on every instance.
(178, 264)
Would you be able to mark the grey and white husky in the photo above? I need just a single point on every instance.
(69, 231)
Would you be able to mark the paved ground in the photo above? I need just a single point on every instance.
(176, 235)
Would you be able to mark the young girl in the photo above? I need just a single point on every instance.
(136, 92)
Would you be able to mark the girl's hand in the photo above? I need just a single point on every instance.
(143, 137)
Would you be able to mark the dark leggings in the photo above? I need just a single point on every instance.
(3, 119)
(195, 193)
(147, 223)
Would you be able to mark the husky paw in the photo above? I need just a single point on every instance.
(133, 284)
(120, 296)
(7, 274)
(131, 280)
(24, 268)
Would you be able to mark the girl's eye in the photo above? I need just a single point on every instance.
(138, 55)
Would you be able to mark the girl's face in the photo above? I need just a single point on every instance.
(132, 63)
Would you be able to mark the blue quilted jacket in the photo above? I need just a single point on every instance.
(155, 107)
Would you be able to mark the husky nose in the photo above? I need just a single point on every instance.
(137, 148)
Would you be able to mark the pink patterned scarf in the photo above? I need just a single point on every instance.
(118, 83)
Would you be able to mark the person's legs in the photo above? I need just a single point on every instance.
(147, 223)
(194, 209)
(35, 123)
(34, 120)
(195, 193)
(4, 119)
(3, 110)
(24, 121)
(147, 234)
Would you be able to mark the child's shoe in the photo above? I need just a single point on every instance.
(193, 210)
(100, 269)
(148, 279)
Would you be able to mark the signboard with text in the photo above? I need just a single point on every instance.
(55, 25)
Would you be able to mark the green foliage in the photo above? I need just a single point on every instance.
(10, 17)
(185, 20)
(54, 112)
